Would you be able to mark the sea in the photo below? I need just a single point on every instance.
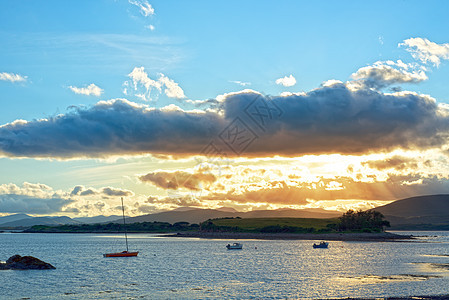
(191, 268)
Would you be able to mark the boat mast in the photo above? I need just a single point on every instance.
(124, 225)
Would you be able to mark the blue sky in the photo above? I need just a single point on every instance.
(52, 52)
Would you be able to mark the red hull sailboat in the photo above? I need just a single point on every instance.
(124, 253)
(121, 254)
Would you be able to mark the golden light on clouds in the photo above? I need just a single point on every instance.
(334, 182)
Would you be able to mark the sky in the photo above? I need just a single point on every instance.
(243, 104)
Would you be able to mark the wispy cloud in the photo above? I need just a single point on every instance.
(145, 8)
(91, 89)
(144, 86)
(426, 51)
(172, 89)
(91, 50)
(286, 81)
(12, 77)
(241, 83)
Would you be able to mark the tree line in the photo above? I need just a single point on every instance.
(350, 221)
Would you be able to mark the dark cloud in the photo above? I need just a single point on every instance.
(179, 179)
(108, 128)
(395, 162)
(14, 203)
(186, 200)
(330, 119)
(105, 192)
(116, 192)
(76, 190)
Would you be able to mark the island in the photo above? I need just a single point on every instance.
(352, 225)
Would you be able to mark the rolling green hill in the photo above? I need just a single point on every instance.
(270, 225)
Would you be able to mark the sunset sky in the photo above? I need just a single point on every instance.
(243, 104)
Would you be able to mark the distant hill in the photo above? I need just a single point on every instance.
(98, 219)
(23, 220)
(197, 215)
(51, 221)
(12, 218)
(418, 213)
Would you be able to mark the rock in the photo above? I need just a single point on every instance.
(17, 262)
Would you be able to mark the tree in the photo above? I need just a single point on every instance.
(369, 220)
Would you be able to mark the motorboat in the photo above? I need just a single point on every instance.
(321, 245)
(235, 246)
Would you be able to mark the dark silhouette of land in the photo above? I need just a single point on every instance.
(197, 215)
(415, 213)
(418, 213)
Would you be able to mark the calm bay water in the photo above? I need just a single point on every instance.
(170, 268)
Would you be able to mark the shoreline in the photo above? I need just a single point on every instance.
(356, 236)
(372, 237)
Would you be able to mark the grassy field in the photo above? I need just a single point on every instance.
(257, 223)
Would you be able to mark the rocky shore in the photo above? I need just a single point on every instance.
(378, 237)
(17, 262)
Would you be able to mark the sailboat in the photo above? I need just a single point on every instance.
(124, 253)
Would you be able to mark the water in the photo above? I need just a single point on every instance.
(168, 268)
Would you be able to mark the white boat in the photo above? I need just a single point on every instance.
(235, 246)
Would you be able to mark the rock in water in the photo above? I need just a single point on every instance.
(17, 262)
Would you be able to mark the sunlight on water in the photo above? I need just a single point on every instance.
(168, 268)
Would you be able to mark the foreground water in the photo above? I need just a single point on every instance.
(168, 268)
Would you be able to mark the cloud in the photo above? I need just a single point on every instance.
(426, 51)
(144, 86)
(91, 89)
(286, 81)
(397, 163)
(331, 119)
(145, 8)
(330, 189)
(31, 198)
(380, 39)
(385, 73)
(179, 179)
(12, 77)
(183, 201)
(105, 192)
(241, 83)
(172, 89)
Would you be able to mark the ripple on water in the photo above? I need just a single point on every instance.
(379, 279)
(171, 268)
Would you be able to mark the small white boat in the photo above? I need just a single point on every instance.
(235, 246)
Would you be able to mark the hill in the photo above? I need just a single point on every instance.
(98, 219)
(198, 215)
(12, 218)
(418, 213)
(51, 221)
